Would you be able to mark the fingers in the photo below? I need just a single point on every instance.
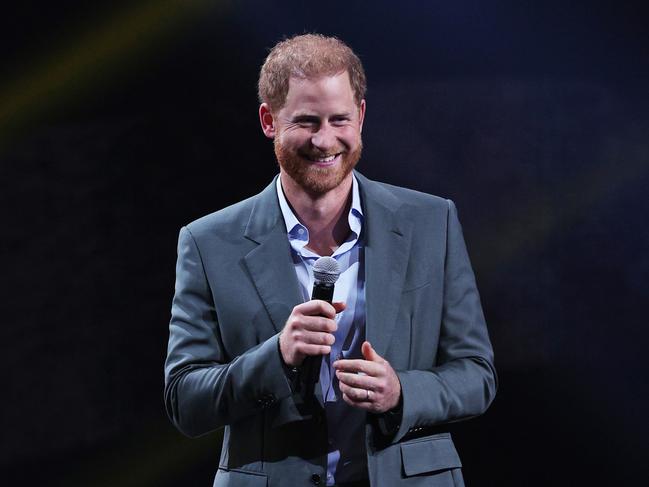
(307, 339)
(361, 399)
(357, 388)
(309, 330)
(369, 353)
(317, 307)
(314, 337)
(354, 366)
(357, 395)
(358, 381)
(317, 323)
(369, 383)
(298, 322)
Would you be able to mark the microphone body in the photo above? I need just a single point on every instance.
(325, 274)
(323, 291)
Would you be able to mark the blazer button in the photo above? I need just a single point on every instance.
(315, 479)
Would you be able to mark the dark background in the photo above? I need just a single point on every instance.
(122, 121)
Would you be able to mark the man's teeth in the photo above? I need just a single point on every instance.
(325, 159)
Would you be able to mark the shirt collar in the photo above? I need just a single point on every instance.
(298, 234)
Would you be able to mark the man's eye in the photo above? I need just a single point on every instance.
(339, 121)
(306, 123)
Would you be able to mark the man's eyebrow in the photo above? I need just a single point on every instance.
(305, 117)
(310, 117)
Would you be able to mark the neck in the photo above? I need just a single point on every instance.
(324, 215)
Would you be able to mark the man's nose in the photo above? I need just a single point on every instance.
(324, 138)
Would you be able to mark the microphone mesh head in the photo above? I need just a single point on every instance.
(326, 270)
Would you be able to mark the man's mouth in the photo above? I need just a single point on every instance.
(323, 160)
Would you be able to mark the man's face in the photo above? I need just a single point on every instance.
(317, 133)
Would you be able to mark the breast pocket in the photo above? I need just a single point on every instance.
(433, 456)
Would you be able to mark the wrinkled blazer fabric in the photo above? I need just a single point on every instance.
(235, 288)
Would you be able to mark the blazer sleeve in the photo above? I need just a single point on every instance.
(463, 382)
(204, 390)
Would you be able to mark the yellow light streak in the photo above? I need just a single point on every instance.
(69, 71)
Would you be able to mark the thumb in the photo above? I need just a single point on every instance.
(369, 353)
(339, 306)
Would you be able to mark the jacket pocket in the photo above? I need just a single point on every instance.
(429, 454)
(239, 478)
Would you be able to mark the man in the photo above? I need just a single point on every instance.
(402, 350)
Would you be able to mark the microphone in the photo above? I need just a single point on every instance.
(326, 271)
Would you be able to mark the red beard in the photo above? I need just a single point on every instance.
(311, 177)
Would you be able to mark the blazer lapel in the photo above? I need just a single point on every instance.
(387, 244)
(269, 264)
(386, 238)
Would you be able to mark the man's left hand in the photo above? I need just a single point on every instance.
(369, 383)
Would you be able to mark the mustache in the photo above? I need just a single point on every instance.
(319, 154)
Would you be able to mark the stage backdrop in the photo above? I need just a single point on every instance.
(122, 121)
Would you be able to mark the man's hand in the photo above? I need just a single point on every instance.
(370, 384)
(309, 331)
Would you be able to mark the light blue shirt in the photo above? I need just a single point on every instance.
(346, 459)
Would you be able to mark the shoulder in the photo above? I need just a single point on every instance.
(226, 220)
(415, 198)
(232, 221)
(406, 198)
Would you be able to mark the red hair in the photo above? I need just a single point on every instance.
(308, 56)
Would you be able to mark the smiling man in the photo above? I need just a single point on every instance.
(402, 351)
(317, 132)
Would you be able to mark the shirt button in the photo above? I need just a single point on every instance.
(300, 231)
(315, 479)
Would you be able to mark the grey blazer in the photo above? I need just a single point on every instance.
(235, 288)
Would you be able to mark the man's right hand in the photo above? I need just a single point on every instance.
(309, 331)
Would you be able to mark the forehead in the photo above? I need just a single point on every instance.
(328, 91)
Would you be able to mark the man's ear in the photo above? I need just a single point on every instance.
(361, 115)
(267, 121)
